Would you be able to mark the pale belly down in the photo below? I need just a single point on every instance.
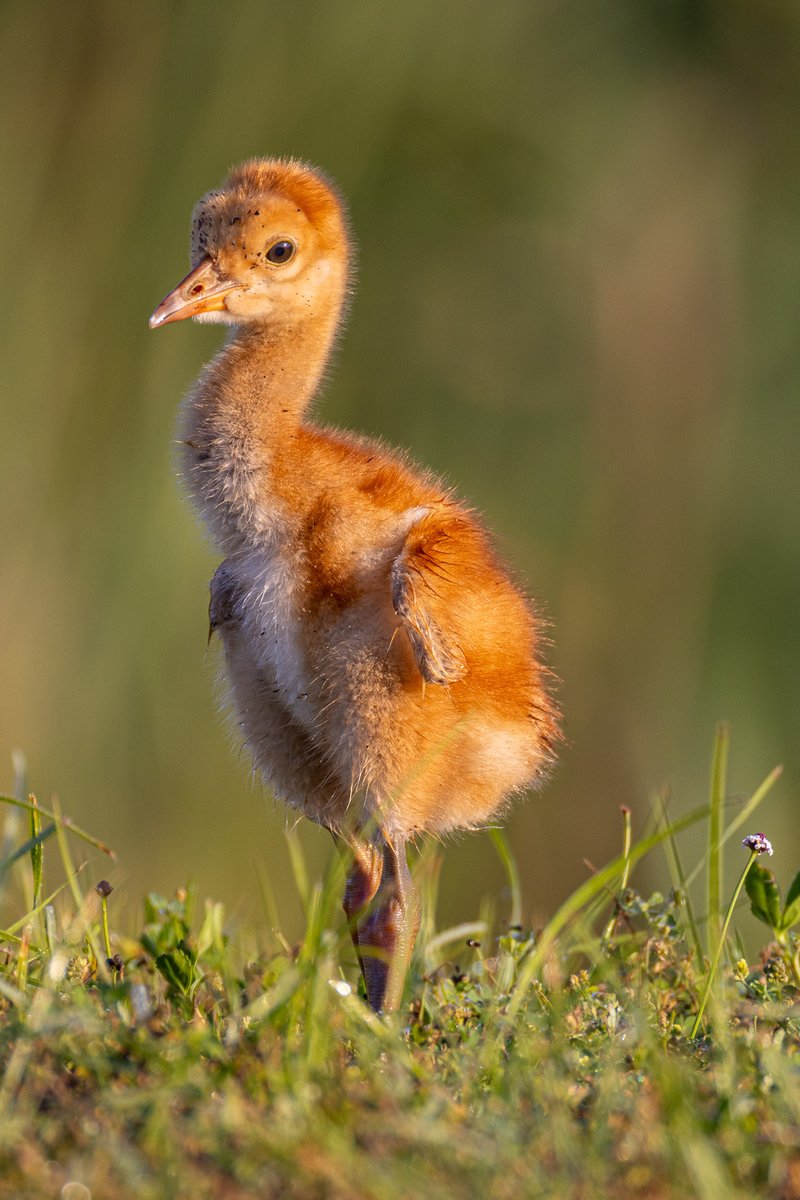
(276, 698)
(350, 732)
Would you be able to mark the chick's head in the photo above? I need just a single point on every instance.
(271, 245)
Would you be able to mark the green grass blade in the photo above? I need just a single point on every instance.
(427, 873)
(758, 796)
(34, 912)
(7, 936)
(36, 849)
(66, 858)
(626, 854)
(719, 774)
(13, 994)
(275, 997)
(20, 765)
(297, 859)
(498, 840)
(28, 848)
(50, 928)
(753, 803)
(65, 822)
(268, 901)
(585, 894)
(449, 937)
(679, 880)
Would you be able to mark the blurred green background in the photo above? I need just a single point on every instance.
(579, 295)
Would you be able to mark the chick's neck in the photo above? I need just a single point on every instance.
(242, 417)
(267, 375)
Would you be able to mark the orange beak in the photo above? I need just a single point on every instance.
(202, 291)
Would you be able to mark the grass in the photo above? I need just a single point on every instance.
(180, 1060)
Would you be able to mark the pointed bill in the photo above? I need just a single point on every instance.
(202, 291)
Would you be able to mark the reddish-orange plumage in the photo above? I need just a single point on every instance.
(383, 667)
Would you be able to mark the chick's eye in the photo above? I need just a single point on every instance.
(281, 252)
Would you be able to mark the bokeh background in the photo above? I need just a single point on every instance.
(579, 300)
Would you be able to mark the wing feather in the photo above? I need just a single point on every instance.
(416, 571)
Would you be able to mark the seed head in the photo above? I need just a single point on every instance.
(103, 888)
(758, 843)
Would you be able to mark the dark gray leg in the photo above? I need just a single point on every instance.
(383, 912)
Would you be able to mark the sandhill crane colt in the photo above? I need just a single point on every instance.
(384, 670)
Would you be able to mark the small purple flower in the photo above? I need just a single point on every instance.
(758, 843)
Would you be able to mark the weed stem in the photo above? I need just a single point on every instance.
(721, 942)
(626, 869)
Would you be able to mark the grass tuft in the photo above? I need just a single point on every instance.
(170, 1061)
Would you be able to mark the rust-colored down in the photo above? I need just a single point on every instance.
(384, 669)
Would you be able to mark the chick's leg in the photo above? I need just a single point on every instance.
(383, 911)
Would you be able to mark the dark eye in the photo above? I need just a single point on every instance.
(281, 252)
